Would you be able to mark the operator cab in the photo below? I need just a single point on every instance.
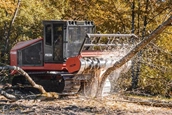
(63, 39)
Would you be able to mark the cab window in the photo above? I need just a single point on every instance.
(48, 30)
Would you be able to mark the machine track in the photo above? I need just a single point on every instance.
(63, 85)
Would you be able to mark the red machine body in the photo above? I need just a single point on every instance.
(45, 59)
(69, 54)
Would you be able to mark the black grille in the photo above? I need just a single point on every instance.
(31, 55)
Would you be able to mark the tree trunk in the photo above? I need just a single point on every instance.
(7, 37)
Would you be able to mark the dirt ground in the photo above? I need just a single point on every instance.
(79, 105)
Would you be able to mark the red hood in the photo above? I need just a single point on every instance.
(23, 44)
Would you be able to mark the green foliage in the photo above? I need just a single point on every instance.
(28, 21)
(155, 82)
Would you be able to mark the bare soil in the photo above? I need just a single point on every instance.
(79, 105)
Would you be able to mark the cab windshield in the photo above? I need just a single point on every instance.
(76, 35)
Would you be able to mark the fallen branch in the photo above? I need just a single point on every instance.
(149, 102)
(8, 96)
(22, 72)
(44, 95)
